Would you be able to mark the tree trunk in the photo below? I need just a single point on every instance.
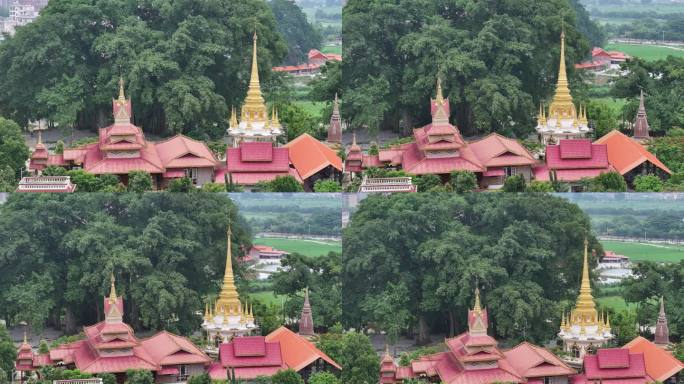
(134, 318)
(452, 323)
(70, 322)
(423, 336)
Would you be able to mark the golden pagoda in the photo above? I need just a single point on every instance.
(229, 317)
(255, 123)
(562, 121)
(584, 331)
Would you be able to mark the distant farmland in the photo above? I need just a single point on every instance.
(310, 248)
(646, 52)
(661, 253)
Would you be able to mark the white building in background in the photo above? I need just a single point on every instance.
(20, 14)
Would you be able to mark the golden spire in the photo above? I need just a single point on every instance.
(254, 107)
(228, 301)
(206, 311)
(233, 118)
(112, 290)
(585, 308)
(276, 120)
(122, 96)
(25, 337)
(439, 99)
(562, 100)
(477, 308)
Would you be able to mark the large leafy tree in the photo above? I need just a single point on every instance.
(411, 262)
(13, 149)
(167, 252)
(8, 354)
(185, 62)
(295, 28)
(497, 60)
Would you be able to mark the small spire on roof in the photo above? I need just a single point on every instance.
(477, 308)
(439, 98)
(112, 290)
(25, 337)
(122, 96)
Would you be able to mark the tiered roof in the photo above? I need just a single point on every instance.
(298, 352)
(641, 127)
(309, 156)
(573, 160)
(614, 365)
(306, 324)
(495, 151)
(660, 364)
(253, 162)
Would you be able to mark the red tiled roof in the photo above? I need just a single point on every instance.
(218, 372)
(235, 163)
(532, 361)
(252, 178)
(626, 154)
(660, 364)
(577, 154)
(615, 363)
(309, 156)
(495, 150)
(165, 348)
(246, 354)
(298, 352)
(183, 152)
(148, 161)
(414, 162)
(371, 161)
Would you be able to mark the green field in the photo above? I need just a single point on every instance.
(311, 107)
(646, 52)
(310, 248)
(334, 49)
(662, 253)
(637, 8)
(617, 303)
(615, 104)
(267, 297)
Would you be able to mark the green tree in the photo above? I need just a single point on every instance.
(425, 183)
(13, 149)
(298, 33)
(85, 182)
(355, 353)
(8, 353)
(602, 117)
(624, 326)
(515, 183)
(8, 179)
(670, 149)
(297, 121)
(608, 182)
(59, 147)
(213, 187)
(139, 181)
(540, 186)
(54, 170)
(184, 184)
(180, 77)
(107, 378)
(648, 183)
(43, 347)
(200, 379)
(327, 186)
(284, 184)
(324, 378)
(463, 181)
(287, 376)
(139, 376)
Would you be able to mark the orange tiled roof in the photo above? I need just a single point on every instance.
(625, 154)
(296, 350)
(660, 364)
(309, 155)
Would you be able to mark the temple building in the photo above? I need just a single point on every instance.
(353, 161)
(660, 364)
(110, 346)
(474, 357)
(313, 160)
(229, 317)
(583, 331)
(662, 331)
(255, 123)
(251, 163)
(335, 126)
(503, 157)
(641, 127)
(631, 158)
(563, 121)
(613, 366)
(572, 160)
(122, 148)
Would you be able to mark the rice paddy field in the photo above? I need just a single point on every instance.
(660, 253)
(312, 107)
(267, 297)
(646, 52)
(311, 248)
(615, 104)
(334, 49)
(617, 303)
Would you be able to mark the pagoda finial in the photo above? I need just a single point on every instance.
(228, 301)
(439, 98)
(122, 95)
(25, 337)
(40, 134)
(254, 80)
(477, 308)
(562, 100)
(641, 126)
(112, 290)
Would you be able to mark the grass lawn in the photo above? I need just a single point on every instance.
(267, 297)
(334, 49)
(311, 107)
(617, 303)
(615, 104)
(662, 253)
(310, 248)
(646, 52)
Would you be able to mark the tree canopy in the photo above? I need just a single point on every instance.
(497, 60)
(13, 149)
(166, 250)
(411, 262)
(185, 62)
(299, 34)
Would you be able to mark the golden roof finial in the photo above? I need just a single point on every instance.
(112, 290)
(25, 337)
(228, 301)
(122, 96)
(562, 100)
(440, 97)
(585, 308)
(477, 308)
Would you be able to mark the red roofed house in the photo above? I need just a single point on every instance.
(353, 162)
(572, 160)
(474, 358)
(613, 365)
(316, 59)
(300, 354)
(602, 59)
(122, 148)
(503, 157)
(313, 160)
(660, 364)
(254, 162)
(630, 158)
(264, 253)
(110, 346)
